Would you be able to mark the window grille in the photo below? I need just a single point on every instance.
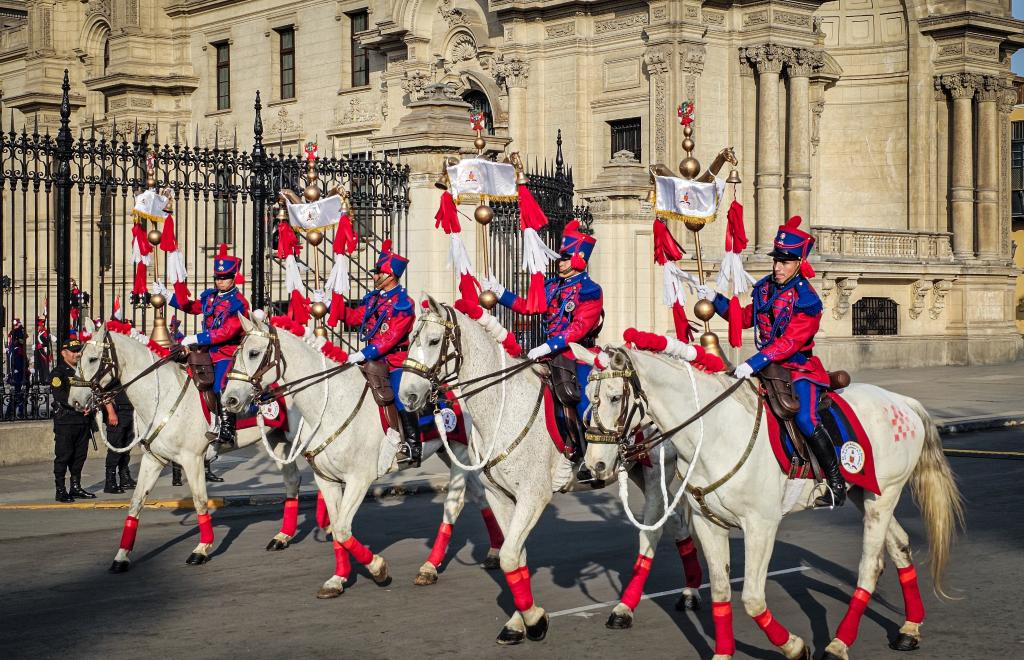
(480, 104)
(875, 316)
(626, 136)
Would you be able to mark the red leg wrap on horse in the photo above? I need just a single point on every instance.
(777, 633)
(493, 529)
(131, 526)
(847, 632)
(519, 583)
(444, 534)
(635, 588)
(911, 594)
(359, 551)
(290, 522)
(725, 643)
(322, 519)
(342, 567)
(205, 528)
(691, 564)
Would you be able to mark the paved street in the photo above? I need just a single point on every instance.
(60, 601)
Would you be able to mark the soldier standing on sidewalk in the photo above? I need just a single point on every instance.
(120, 434)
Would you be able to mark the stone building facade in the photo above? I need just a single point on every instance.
(883, 123)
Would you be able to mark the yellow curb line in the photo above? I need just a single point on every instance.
(213, 503)
(983, 451)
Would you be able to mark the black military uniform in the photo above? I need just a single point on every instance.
(120, 436)
(71, 430)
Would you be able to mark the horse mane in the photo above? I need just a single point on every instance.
(330, 351)
(127, 329)
(490, 323)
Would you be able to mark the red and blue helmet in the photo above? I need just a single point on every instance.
(791, 243)
(390, 262)
(225, 265)
(575, 243)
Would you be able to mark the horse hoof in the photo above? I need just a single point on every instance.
(119, 566)
(904, 642)
(539, 630)
(382, 577)
(688, 602)
(425, 579)
(196, 559)
(275, 545)
(328, 592)
(509, 636)
(619, 621)
(491, 563)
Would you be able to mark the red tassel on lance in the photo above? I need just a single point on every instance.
(168, 242)
(157, 349)
(666, 248)
(298, 308)
(684, 330)
(511, 346)
(806, 269)
(536, 301)
(181, 294)
(345, 238)
(629, 335)
(287, 242)
(448, 215)
(735, 233)
(735, 322)
(139, 283)
(578, 262)
(337, 309)
(531, 216)
(709, 362)
(469, 288)
(467, 306)
(139, 236)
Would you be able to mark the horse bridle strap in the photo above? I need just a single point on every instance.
(638, 404)
(451, 349)
(515, 443)
(272, 359)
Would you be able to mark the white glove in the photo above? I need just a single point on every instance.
(190, 340)
(538, 351)
(157, 288)
(706, 292)
(356, 358)
(744, 370)
(491, 283)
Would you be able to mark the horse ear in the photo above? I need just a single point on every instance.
(88, 325)
(433, 305)
(582, 354)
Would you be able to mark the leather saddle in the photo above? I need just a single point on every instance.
(561, 378)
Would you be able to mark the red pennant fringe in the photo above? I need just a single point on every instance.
(168, 242)
(448, 215)
(139, 236)
(666, 248)
(287, 241)
(345, 239)
(337, 309)
(287, 323)
(469, 288)
(335, 353)
(684, 329)
(139, 282)
(469, 307)
(120, 327)
(181, 294)
(157, 349)
(735, 233)
(298, 308)
(536, 301)
(735, 322)
(531, 216)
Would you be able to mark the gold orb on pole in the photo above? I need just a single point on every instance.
(318, 310)
(488, 299)
(314, 237)
(157, 300)
(311, 192)
(483, 214)
(154, 236)
(320, 331)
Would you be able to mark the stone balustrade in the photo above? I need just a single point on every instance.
(888, 244)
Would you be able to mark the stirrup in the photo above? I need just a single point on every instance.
(821, 503)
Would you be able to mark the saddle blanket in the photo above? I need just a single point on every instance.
(274, 415)
(451, 417)
(852, 445)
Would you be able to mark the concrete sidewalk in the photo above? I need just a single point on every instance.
(959, 398)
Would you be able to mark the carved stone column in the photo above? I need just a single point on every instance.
(961, 87)
(987, 205)
(768, 60)
(658, 61)
(941, 143)
(800, 63)
(1007, 99)
(512, 73)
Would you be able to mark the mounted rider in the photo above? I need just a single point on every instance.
(786, 312)
(384, 318)
(574, 313)
(217, 343)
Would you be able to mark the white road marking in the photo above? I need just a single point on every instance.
(597, 606)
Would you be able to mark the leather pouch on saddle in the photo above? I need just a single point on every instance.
(562, 370)
(778, 387)
(376, 374)
(201, 365)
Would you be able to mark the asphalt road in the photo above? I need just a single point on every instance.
(59, 601)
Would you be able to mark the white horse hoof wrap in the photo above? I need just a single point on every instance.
(426, 576)
(332, 588)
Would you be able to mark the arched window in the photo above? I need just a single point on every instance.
(478, 100)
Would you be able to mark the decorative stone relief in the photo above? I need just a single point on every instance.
(990, 88)
(709, 17)
(357, 112)
(384, 109)
(511, 71)
(692, 62)
(101, 7)
(792, 20)
(844, 289)
(599, 204)
(660, 12)
(803, 61)
(766, 58)
(658, 61)
(284, 124)
(960, 85)
(940, 290)
(691, 12)
(414, 83)
(560, 30)
(755, 18)
(920, 289)
(951, 50)
(621, 23)
(817, 108)
(982, 50)
(219, 134)
(624, 157)
(461, 49)
(826, 288)
(453, 16)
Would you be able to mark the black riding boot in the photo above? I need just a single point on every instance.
(820, 443)
(175, 474)
(62, 492)
(110, 483)
(125, 474)
(227, 428)
(210, 476)
(412, 448)
(76, 489)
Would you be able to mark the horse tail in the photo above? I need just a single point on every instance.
(937, 495)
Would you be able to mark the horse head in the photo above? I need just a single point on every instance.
(94, 371)
(428, 362)
(248, 378)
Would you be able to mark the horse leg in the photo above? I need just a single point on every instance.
(758, 541)
(290, 520)
(195, 473)
(877, 518)
(687, 549)
(453, 503)
(475, 490)
(529, 620)
(341, 524)
(622, 615)
(149, 472)
(330, 494)
(714, 541)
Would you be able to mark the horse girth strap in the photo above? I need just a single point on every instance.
(515, 443)
(313, 453)
(146, 442)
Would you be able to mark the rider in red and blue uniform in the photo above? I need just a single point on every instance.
(222, 332)
(384, 318)
(574, 307)
(786, 312)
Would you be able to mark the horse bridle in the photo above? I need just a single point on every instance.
(272, 359)
(632, 390)
(451, 349)
(108, 366)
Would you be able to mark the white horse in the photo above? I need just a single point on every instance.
(350, 449)
(167, 408)
(522, 465)
(757, 494)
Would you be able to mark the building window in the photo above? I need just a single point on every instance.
(359, 21)
(480, 104)
(224, 220)
(223, 76)
(875, 316)
(1017, 170)
(286, 61)
(626, 136)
